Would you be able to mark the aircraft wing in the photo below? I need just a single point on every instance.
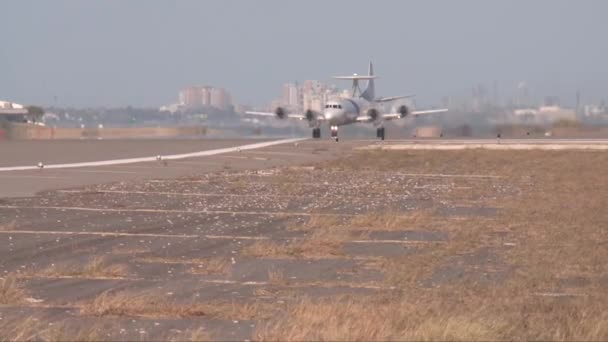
(289, 116)
(393, 98)
(393, 116)
(354, 77)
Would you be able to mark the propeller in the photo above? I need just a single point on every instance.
(403, 110)
(310, 115)
(280, 112)
(373, 114)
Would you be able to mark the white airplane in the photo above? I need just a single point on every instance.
(362, 106)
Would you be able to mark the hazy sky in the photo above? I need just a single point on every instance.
(137, 53)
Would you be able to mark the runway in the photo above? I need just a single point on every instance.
(492, 144)
(75, 163)
(154, 158)
(280, 221)
(69, 164)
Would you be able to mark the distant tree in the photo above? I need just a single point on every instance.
(566, 123)
(35, 113)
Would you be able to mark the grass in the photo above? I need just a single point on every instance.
(9, 226)
(277, 278)
(36, 329)
(553, 214)
(321, 243)
(10, 291)
(215, 265)
(152, 305)
(449, 314)
(126, 250)
(211, 266)
(98, 267)
(417, 219)
(39, 329)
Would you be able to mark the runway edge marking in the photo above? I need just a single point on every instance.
(153, 159)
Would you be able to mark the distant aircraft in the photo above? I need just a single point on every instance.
(361, 106)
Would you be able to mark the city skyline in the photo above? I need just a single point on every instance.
(138, 53)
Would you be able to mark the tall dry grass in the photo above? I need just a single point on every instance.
(149, 304)
(34, 328)
(452, 314)
(97, 267)
(10, 291)
(556, 227)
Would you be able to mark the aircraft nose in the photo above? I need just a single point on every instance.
(330, 114)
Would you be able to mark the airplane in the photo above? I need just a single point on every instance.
(361, 106)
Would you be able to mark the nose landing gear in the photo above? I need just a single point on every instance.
(316, 133)
(380, 133)
(334, 132)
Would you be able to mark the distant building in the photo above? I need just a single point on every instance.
(191, 97)
(219, 98)
(594, 110)
(12, 111)
(292, 96)
(544, 114)
(204, 96)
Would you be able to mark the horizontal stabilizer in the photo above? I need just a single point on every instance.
(354, 77)
(393, 98)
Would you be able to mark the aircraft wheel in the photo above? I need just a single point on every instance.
(380, 133)
(316, 133)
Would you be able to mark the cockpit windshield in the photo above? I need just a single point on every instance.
(333, 105)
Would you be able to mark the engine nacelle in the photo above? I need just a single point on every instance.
(280, 112)
(311, 116)
(403, 110)
(373, 114)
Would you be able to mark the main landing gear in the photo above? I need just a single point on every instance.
(380, 133)
(316, 133)
(334, 132)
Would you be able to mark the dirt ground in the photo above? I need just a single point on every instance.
(371, 245)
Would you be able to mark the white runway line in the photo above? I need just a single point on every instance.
(28, 176)
(153, 159)
(202, 236)
(198, 194)
(506, 144)
(102, 171)
(170, 211)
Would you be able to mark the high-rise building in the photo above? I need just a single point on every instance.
(206, 96)
(191, 97)
(292, 96)
(203, 96)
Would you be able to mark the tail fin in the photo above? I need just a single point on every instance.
(369, 93)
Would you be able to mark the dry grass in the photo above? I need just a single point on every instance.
(214, 265)
(267, 249)
(154, 305)
(556, 222)
(38, 329)
(132, 251)
(322, 243)
(417, 219)
(316, 221)
(5, 227)
(211, 266)
(10, 291)
(441, 315)
(277, 278)
(386, 220)
(98, 267)
(192, 335)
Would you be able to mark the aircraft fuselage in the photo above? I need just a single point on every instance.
(340, 112)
